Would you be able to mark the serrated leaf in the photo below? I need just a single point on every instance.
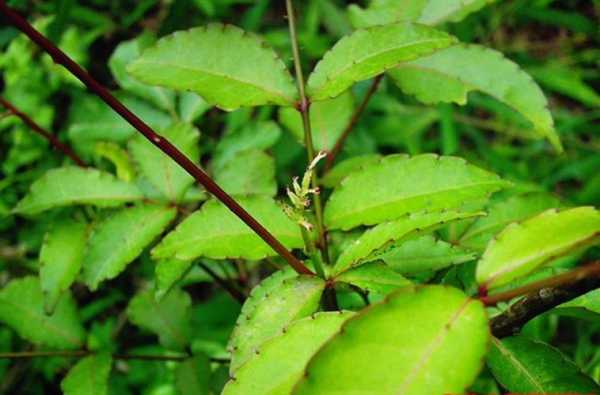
(523, 365)
(450, 74)
(159, 169)
(335, 176)
(374, 277)
(250, 172)
(366, 53)
(225, 65)
(408, 344)
(117, 240)
(22, 309)
(523, 247)
(89, 376)
(425, 253)
(168, 318)
(273, 305)
(125, 53)
(398, 184)
(377, 237)
(67, 186)
(428, 12)
(192, 376)
(61, 257)
(328, 119)
(215, 232)
(503, 212)
(281, 360)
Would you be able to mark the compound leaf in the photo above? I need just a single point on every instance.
(398, 184)
(168, 318)
(271, 307)
(215, 232)
(61, 257)
(89, 376)
(224, 64)
(118, 239)
(22, 309)
(68, 186)
(368, 52)
(450, 74)
(408, 344)
(159, 169)
(524, 365)
(280, 361)
(384, 233)
(523, 247)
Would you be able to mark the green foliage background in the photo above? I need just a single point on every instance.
(258, 151)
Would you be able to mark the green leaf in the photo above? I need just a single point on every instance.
(259, 135)
(328, 119)
(398, 184)
(450, 74)
(222, 63)
(68, 186)
(118, 239)
(215, 232)
(118, 157)
(335, 176)
(250, 172)
(169, 318)
(272, 305)
(61, 257)
(523, 247)
(280, 361)
(566, 80)
(192, 376)
(159, 169)
(89, 376)
(125, 53)
(502, 212)
(408, 344)
(589, 302)
(22, 309)
(366, 53)
(425, 253)
(377, 237)
(374, 277)
(167, 273)
(428, 12)
(523, 365)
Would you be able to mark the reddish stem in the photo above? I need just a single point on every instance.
(54, 141)
(337, 148)
(164, 145)
(583, 272)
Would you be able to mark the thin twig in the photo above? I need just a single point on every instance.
(304, 109)
(163, 144)
(234, 292)
(337, 148)
(591, 270)
(85, 353)
(54, 141)
(512, 320)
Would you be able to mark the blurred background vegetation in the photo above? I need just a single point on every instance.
(556, 41)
